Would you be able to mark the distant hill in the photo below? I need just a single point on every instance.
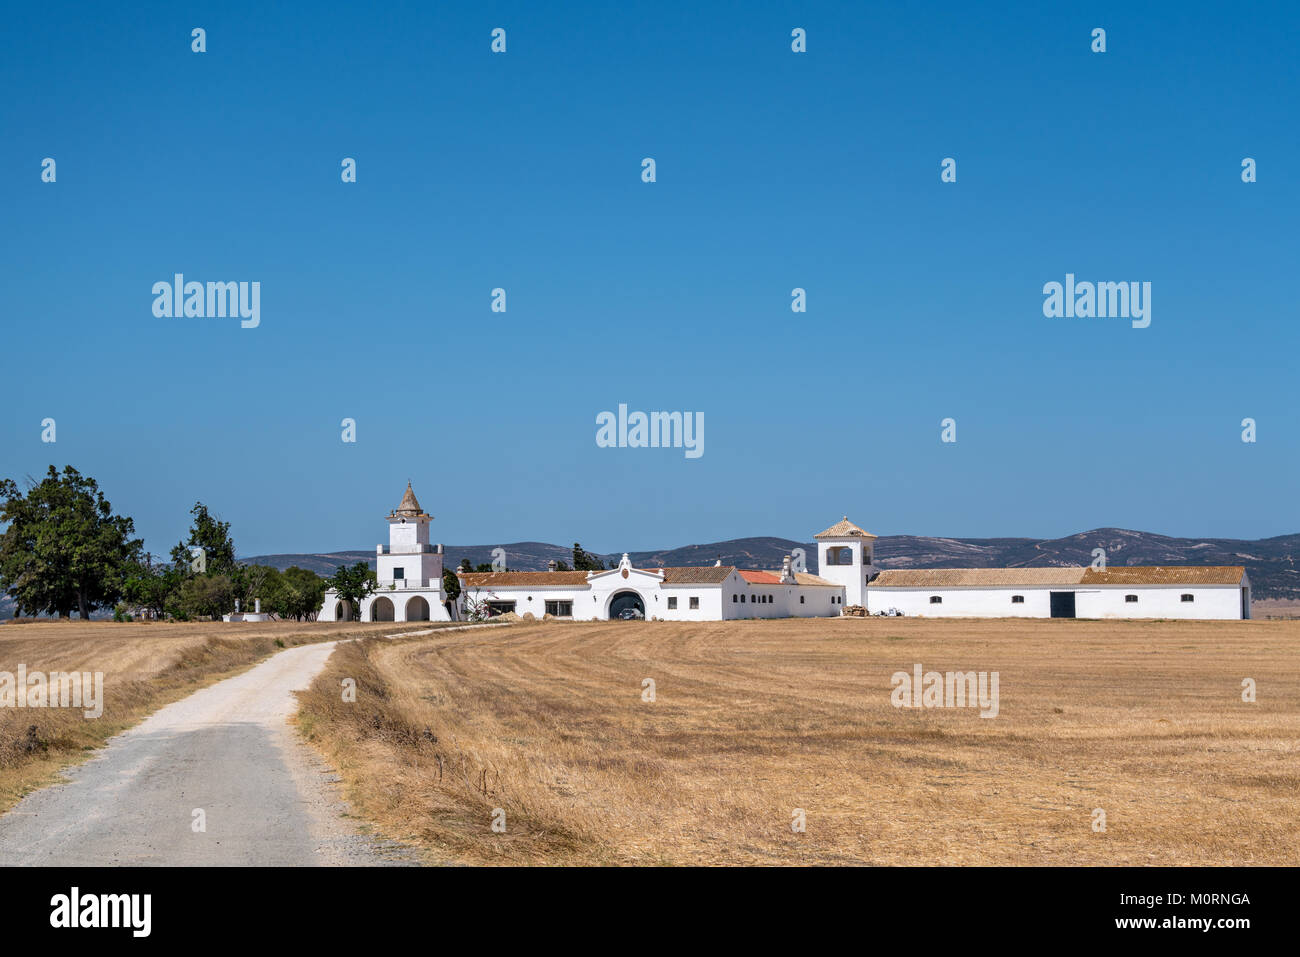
(1270, 562)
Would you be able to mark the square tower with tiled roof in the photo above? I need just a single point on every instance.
(844, 556)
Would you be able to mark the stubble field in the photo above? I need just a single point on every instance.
(545, 729)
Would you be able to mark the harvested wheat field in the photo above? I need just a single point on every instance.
(145, 665)
(753, 720)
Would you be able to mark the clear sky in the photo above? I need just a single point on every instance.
(774, 170)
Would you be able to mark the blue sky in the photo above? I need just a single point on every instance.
(775, 170)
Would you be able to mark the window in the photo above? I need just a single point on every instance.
(839, 555)
(560, 609)
(695, 602)
(1189, 598)
(672, 603)
(801, 599)
(866, 556)
(1130, 598)
(742, 599)
(936, 599)
(734, 599)
(399, 574)
(499, 607)
(1017, 599)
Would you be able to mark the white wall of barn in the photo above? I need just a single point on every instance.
(1209, 602)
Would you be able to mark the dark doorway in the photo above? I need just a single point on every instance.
(1062, 604)
(627, 605)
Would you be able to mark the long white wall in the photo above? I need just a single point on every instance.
(1209, 602)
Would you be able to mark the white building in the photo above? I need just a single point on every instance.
(687, 593)
(408, 572)
(1134, 591)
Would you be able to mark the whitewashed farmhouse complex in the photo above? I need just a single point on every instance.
(410, 588)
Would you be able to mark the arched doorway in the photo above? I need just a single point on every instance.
(417, 609)
(343, 611)
(626, 605)
(382, 610)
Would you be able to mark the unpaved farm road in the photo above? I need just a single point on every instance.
(227, 749)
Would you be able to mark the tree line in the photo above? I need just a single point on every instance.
(63, 550)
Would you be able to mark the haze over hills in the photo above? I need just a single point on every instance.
(1270, 562)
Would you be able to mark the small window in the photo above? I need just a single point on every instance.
(1130, 598)
(742, 599)
(1189, 598)
(735, 598)
(695, 602)
(399, 574)
(936, 599)
(1017, 599)
(672, 603)
(801, 599)
(560, 609)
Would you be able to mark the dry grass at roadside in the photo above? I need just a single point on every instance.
(755, 719)
(145, 666)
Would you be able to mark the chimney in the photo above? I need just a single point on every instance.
(552, 565)
(718, 563)
(438, 550)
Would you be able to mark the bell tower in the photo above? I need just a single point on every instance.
(409, 561)
(845, 557)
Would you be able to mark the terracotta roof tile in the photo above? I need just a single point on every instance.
(535, 579)
(1072, 575)
(755, 577)
(1166, 575)
(843, 529)
(697, 574)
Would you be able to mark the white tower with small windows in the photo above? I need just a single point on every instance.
(408, 574)
(845, 557)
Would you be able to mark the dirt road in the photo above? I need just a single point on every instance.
(226, 751)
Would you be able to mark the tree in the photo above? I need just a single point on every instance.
(152, 586)
(206, 596)
(450, 584)
(211, 535)
(298, 593)
(352, 585)
(584, 561)
(63, 547)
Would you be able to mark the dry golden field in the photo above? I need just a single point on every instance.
(752, 720)
(145, 666)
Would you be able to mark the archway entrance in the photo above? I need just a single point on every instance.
(626, 605)
(382, 610)
(417, 609)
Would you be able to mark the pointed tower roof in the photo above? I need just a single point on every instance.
(410, 507)
(844, 529)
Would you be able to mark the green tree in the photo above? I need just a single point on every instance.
(152, 586)
(584, 561)
(204, 596)
(450, 584)
(63, 548)
(300, 594)
(211, 535)
(352, 585)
